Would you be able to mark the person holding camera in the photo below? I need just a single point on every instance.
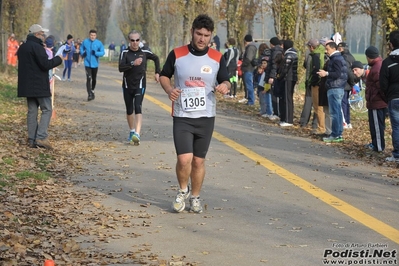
(91, 49)
(133, 64)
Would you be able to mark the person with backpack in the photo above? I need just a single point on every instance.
(231, 56)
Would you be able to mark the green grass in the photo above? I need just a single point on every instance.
(360, 57)
(28, 174)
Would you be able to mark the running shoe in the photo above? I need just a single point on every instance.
(285, 124)
(333, 139)
(179, 204)
(136, 138)
(392, 159)
(195, 205)
(130, 138)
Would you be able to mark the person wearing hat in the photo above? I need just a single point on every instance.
(376, 100)
(389, 84)
(344, 50)
(12, 47)
(271, 73)
(33, 83)
(248, 67)
(69, 50)
(91, 49)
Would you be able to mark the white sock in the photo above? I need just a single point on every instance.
(132, 130)
(185, 190)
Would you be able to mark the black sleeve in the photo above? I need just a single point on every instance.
(124, 65)
(351, 76)
(315, 68)
(223, 75)
(154, 58)
(384, 77)
(169, 67)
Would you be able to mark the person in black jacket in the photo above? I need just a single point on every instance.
(349, 59)
(133, 63)
(33, 83)
(389, 84)
(288, 73)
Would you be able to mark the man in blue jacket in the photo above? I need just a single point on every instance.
(337, 76)
(91, 49)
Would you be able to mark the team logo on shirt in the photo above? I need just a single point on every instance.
(206, 70)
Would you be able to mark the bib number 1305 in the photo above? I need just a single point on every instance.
(193, 99)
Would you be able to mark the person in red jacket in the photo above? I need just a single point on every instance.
(375, 98)
(12, 48)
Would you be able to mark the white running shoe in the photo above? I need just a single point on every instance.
(195, 205)
(392, 159)
(179, 204)
(274, 117)
(285, 124)
(243, 100)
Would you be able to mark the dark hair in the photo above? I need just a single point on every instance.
(232, 41)
(262, 47)
(394, 39)
(203, 21)
(278, 59)
(332, 45)
(93, 31)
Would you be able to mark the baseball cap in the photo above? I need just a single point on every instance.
(36, 28)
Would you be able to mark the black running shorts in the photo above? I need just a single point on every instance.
(193, 135)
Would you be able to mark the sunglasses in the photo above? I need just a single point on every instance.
(133, 40)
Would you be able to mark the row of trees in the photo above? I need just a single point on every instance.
(166, 23)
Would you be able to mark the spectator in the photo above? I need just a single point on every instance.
(389, 84)
(315, 62)
(111, 51)
(231, 56)
(216, 40)
(248, 64)
(289, 74)
(33, 83)
(12, 48)
(123, 46)
(271, 73)
(337, 76)
(375, 99)
(259, 77)
(349, 59)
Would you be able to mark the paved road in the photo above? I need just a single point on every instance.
(271, 198)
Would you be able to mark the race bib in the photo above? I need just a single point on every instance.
(193, 99)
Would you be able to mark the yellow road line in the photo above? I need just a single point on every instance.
(344, 207)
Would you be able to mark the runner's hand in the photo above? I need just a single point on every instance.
(174, 94)
(222, 88)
